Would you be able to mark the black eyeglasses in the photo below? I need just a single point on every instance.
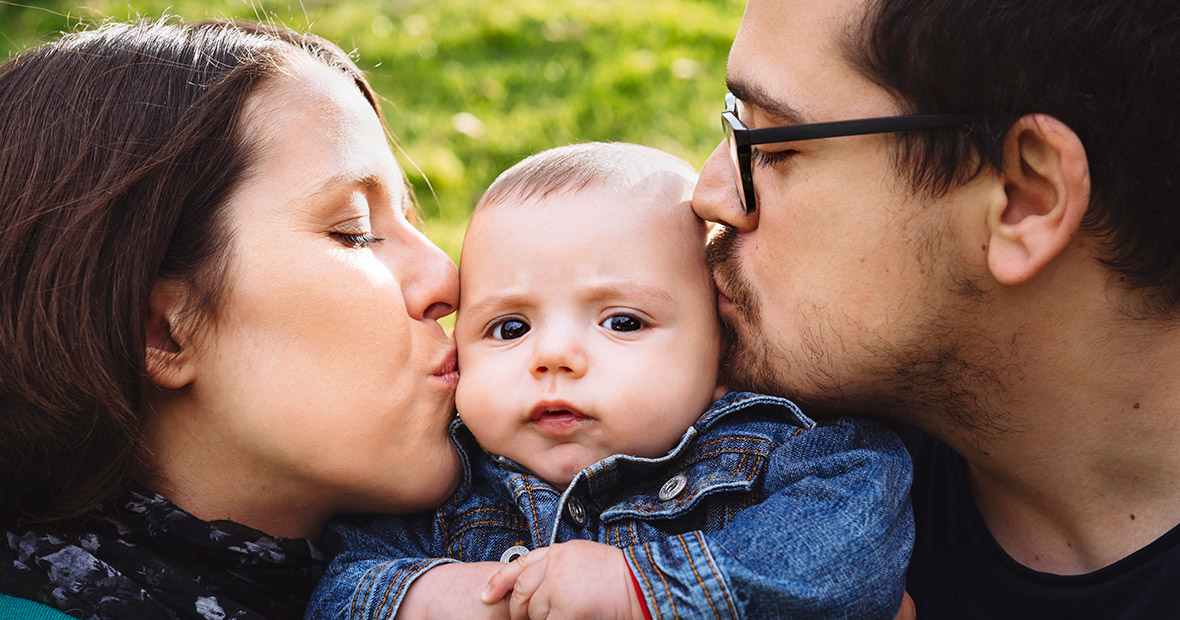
(741, 139)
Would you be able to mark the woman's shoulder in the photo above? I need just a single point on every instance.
(143, 556)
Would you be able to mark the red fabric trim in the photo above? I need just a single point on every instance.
(639, 593)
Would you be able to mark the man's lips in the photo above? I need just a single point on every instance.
(725, 305)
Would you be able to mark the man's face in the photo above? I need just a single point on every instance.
(844, 288)
(587, 327)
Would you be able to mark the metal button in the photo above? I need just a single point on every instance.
(514, 552)
(673, 487)
(575, 512)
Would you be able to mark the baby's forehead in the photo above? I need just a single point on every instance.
(661, 196)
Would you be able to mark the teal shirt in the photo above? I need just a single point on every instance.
(22, 609)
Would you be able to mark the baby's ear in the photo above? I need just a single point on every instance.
(168, 355)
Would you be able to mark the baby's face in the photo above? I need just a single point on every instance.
(587, 327)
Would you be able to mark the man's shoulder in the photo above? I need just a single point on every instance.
(958, 570)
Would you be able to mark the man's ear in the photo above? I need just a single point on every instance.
(168, 357)
(1047, 187)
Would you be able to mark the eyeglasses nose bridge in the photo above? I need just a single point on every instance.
(739, 154)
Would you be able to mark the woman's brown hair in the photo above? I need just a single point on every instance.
(118, 150)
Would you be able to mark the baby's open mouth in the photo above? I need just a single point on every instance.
(556, 417)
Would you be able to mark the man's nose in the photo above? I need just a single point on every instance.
(716, 196)
(559, 350)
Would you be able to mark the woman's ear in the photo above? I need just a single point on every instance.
(168, 358)
(1047, 188)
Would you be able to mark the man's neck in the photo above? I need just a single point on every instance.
(1090, 469)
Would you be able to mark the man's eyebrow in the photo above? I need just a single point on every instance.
(753, 95)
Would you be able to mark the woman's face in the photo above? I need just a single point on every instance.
(327, 383)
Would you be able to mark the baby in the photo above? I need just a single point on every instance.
(588, 344)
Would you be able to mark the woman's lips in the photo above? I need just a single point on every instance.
(448, 369)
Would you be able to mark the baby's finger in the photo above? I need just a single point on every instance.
(522, 605)
(503, 581)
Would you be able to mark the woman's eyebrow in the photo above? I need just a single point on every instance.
(367, 181)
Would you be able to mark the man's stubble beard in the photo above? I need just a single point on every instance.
(940, 377)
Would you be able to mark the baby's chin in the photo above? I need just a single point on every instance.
(559, 465)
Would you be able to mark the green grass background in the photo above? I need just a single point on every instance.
(473, 86)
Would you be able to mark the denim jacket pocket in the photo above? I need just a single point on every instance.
(720, 475)
(484, 532)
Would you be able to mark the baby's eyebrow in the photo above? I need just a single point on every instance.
(627, 289)
(600, 291)
(500, 300)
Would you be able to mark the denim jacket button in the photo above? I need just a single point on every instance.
(514, 552)
(575, 512)
(673, 487)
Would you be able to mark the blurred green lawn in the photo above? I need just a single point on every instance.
(473, 86)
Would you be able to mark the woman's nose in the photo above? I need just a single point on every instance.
(716, 196)
(430, 282)
(558, 351)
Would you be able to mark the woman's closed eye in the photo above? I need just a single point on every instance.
(357, 241)
(507, 328)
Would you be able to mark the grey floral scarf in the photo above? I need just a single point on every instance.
(146, 558)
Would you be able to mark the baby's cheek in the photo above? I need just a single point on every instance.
(480, 406)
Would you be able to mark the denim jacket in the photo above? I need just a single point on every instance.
(758, 512)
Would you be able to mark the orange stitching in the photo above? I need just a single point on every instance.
(631, 551)
(533, 508)
(724, 591)
(692, 565)
(385, 596)
(646, 509)
(361, 585)
(647, 548)
(403, 586)
(479, 510)
(509, 524)
(702, 456)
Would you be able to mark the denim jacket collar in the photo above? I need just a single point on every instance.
(610, 484)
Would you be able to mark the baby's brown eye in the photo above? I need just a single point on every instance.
(509, 329)
(622, 323)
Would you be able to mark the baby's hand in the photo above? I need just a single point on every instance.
(575, 579)
(450, 591)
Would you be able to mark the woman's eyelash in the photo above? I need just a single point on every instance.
(358, 242)
(763, 158)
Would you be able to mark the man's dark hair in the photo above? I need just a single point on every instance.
(1109, 69)
(118, 150)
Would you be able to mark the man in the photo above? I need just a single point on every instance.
(1000, 272)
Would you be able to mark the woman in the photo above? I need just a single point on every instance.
(218, 321)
